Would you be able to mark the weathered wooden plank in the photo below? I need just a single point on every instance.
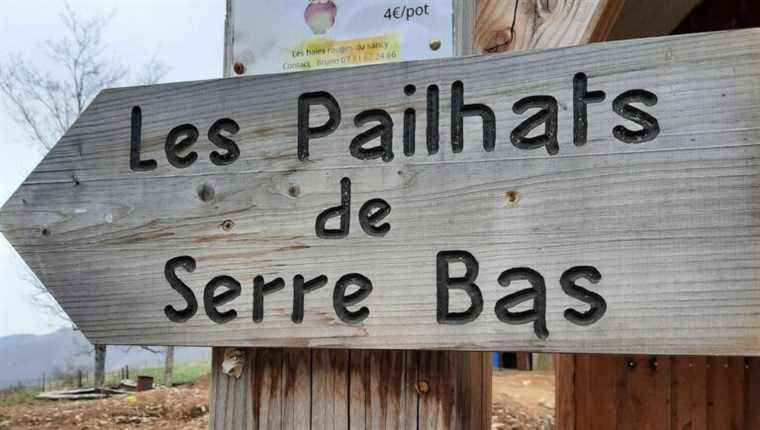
(360, 388)
(329, 401)
(514, 25)
(268, 388)
(564, 394)
(680, 393)
(752, 396)
(670, 224)
(648, 404)
(296, 407)
(231, 403)
(725, 392)
(385, 409)
(600, 391)
(689, 391)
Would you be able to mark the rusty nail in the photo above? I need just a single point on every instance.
(435, 44)
(422, 387)
(239, 68)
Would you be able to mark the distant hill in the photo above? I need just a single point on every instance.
(23, 358)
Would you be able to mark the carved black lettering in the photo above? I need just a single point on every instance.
(650, 127)
(305, 131)
(459, 111)
(373, 212)
(537, 293)
(444, 283)
(299, 289)
(135, 143)
(598, 306)
(384, 131)
(410, 124)
(581, 98)
(174, 146)
(211, 301)
(215, 136)
(170, 273)
(341, 300)
(343, 211)
(547, 115)
(433, 123)
(261, 289)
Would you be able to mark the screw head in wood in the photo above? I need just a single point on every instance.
(239, 68)
(435, 44)
(422, 387)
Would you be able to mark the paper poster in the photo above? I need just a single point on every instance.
(276, 36)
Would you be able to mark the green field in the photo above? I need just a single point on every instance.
(183, 373)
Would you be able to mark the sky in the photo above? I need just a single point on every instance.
(188, 37)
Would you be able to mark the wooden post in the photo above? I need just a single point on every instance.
(357, 389)
(100, 365)
(168, 366)
(656, 392)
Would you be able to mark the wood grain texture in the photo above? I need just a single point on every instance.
(678, 393)
(564, 391)
(752, 399)
(515, 25)
(647, 18)
(297, 388)
(689, 392)
(356, 389)
(671, 224)
(231, 399)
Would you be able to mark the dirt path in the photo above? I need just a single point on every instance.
(179, 408)
(523, 400)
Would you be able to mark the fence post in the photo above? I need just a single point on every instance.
(100, 359)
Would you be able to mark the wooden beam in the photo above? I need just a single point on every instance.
(668, 223)
(647, 18)
(487, 26)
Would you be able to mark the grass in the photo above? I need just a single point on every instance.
(183, 373)
(17, 396)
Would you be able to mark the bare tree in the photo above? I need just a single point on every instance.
(45, 104)
(46, 101)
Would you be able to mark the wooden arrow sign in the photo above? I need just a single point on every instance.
(603, 198)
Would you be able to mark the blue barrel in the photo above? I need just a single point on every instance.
(496, 360)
